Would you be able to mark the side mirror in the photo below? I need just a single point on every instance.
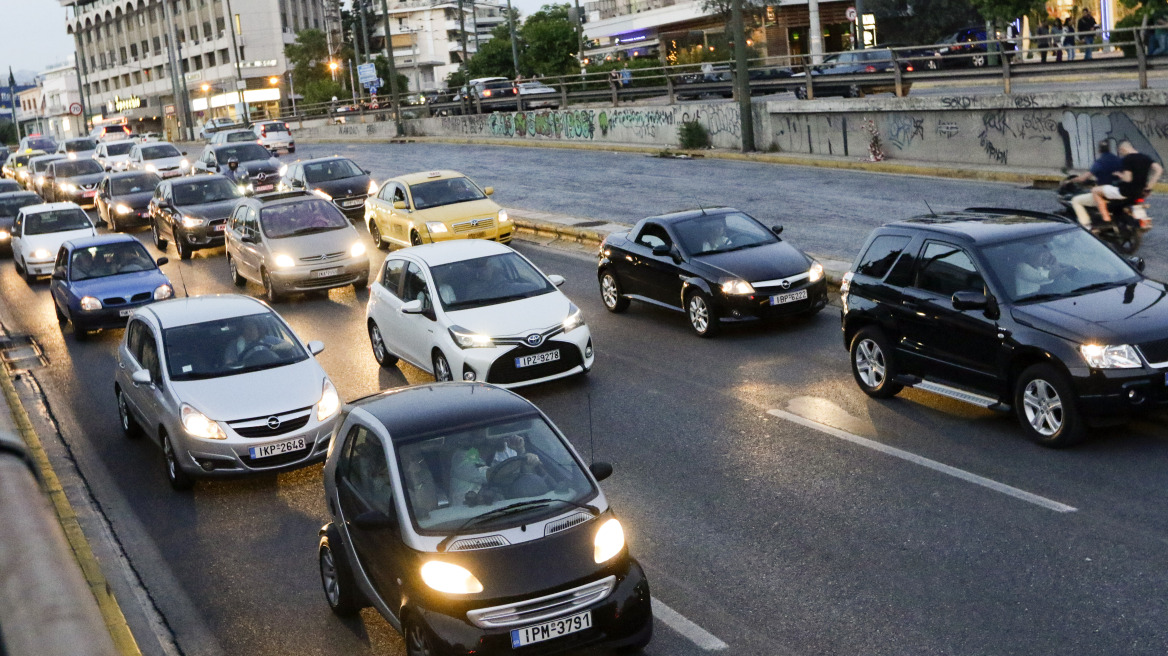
(777, 229)
(556, 280)
(661, 250)
(600, 470)
(488, 190)
(969, 300)
(162, 260)
(141, 377)
(400, 205)
(315, 347)
(366, 172)
(184, 153)
(297, 184)
(58, 275)
(373, 520)
(412, 307)
(1137, 262)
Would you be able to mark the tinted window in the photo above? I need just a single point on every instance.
(1063, 264)
(273, 127)
(149, 359)
(41, 143)
(40, 165)
(653, 235)
(946, 269)
(227, 347)
(244, 152)
(119, 148)
(207, 190)
(335, 169)
(80, 145)
(133, 184)
(109, 260)
(392, 277)
(301, 218)
(444, 192)
(10, 206)
(721, 233)
(367, 470)
(78, 167)
(236, 137)
(159, 151)
(487, 281)
(43, 223)
(879, 257)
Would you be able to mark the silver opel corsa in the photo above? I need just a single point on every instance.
(224, 387)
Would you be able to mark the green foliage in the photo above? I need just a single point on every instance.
(1005, 11)
(382, 65)
(494, 57)
(8, 133)
(323, 90)
(693, 135)
(549, 43)
(1153, 9)
(457, 78)
(308, 57)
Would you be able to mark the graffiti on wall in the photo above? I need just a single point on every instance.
(1081, 133)
(902, 129)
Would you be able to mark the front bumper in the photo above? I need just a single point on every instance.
(39, 267)
(111, 316)
(501, 234)
(497, 365)
(137, 217)
(208, 235)
(231, 457)
(748, 307)
(321, 275)
(1113, 395)
(83, 197)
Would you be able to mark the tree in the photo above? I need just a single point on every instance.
(351, 23)
(382, 65)
(549, 43)
(1006, 11)
(309, 58)
(494, 57)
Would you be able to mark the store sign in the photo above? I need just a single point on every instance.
(119, 104)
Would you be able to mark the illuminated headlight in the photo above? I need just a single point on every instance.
(192, 222)
(40, 180)
(450, 578)
(609, 540)
(199, 425)
(737, 287)
(372, 187)
(41, 254)
(123, 209)
(163, 292)
(466, 339)
(504, 217)
(575, 319)
(329, 402)
(436, 226)
(1110, 357)
(284, 261)
(151, 168)
(323, 195)
(357, 250)
(283, 169)
(246, 189)
(184, 165)
(4, 235)
(816, 272)
(72, 155)
(89, 303)
(67, 187)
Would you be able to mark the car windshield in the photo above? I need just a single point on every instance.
(109, 260)
(333, 169)
(18, 161)
(444, 192)
(487, 281)
(1067, 263)
(7, 185)
(43, 223)
(41, 143)
(134, 184)
(301, 218)
(79, 145)
(244, 152)
(952, 38)
(227, 347)
(10, 206)
(235, 137)
(119, 148)
(492, 476)
(38, 166)
(206, 190)
(721, 233)
(160, 151)
(72, 168)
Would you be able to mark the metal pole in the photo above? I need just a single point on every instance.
(175, 71)
(514, 44)
(368, 54)
(742, 76)
(579, 30)
(351, 64)
(392, 70)
(860, 25)
(292, 91)
(815, 33)
(82, 77)
(240, 85)
(462, 30)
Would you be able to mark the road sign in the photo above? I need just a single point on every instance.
(75, 109)
(366, 73)
(851, 14)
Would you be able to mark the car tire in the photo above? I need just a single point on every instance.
(419, 641)
(233, 270)
(159, 242)
(1046, 408)
(442, 371)
(872, 364)
(25, 273)
(703, 318)
(610, 294)
(380, 351)
(179, 479)
(61, 318)
(130, 427)
(375, 233)
(336, 579)
(270, 292)
(801, 93)
(978, 61)
(415, 238)
(184, 249)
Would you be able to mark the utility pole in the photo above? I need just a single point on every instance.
(579, 31)
(392, 71)
(742, 76)
(860, 25)
(174, 53)
(514, 44)
(461, 31)
(79, 58)
(240, 85)
(368, 54)
(815, 33)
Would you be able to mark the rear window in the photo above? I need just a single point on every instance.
(160, 151)
(80, 145)
(881, 254)
(119, 148)
(273, 127)
(236, 137)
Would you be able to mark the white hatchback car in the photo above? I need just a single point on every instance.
(475, 310)
(275, 136)
(39, 231)
(159, 157)
(225, 387)
(115, 155)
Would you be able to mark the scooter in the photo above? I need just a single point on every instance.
(1129, 219)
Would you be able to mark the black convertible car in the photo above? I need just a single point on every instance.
(715, 265)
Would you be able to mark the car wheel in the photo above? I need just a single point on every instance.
(130, 426)
(872, 364)
(801, 93)
(236, 279)
(61, 318)
(415, 238)
(179, 479)
(978, 61)
(269, 289)
(380, 352)
(1046, 407)
(375, 232)
(25, 273)
(702, 316)
(340, 590)
(854, 91)
(418, 639)
(442, 368)
(159, 242)
(610, 293)
(180, 245)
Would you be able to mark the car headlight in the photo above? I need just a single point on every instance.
(163, 292)
(5, 235)
(284, 261)
(67, 187)
(609, 540)
(504, 217)
(357, 250)
(199, 425)
(450, 578)
(466, 339)
(575, 319)
(436, 226)
(40, 254)
(123, 209)
(323, 195)
(184, 165)
(737, 287)
(329, 402)
(246, 189)
(1121, 356)
(283, 170)
(816, 272)
(372, 187)
(151, 168)
(40, 180)
(192, 222)
(89, 303)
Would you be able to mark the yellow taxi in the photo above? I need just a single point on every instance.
(17, 166)
(422, 208)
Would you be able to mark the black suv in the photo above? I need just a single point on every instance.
(1008, 309)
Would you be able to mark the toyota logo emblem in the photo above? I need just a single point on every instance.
(273, 422)
(786, 284)
(534, 339)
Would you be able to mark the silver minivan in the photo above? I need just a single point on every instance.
(294, 241)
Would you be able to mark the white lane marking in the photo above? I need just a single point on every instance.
(925, 462)
(694, 633)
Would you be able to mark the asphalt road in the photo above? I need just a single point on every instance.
(765, 531)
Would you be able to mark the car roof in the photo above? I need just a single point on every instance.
(100, 240)
(17, 194)
(194, 179)
(277, 197)
(461, 405)
(315, 160)
(198, 309)
(426, 176)
(985, 226)
(456, 250)
(118, 175)
(689, 214)
(46, 158)
(236, 130)
(49, 207)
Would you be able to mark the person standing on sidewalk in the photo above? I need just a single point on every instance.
(1087, 24)
(1069, 37)
(1056, 38)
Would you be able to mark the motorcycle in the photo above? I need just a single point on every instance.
(1129, 218)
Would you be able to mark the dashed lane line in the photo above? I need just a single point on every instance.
(692, 632)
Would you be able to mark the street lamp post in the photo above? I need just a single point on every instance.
(292, 91)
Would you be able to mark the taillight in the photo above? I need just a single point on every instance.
(286, 127)
(869, 69)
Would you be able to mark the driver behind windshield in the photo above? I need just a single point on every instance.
(252, 338)
(715, 238)
(470, 470)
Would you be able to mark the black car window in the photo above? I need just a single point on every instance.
(230, 346)
(69, 169)
(119, 148)
(333, 169)
(244, 152)
(43, 223)
(60, 267)
(878, 259)
(149, 359)
(486, 281)
(946, 269)
(1065, 263)
(444, 192)
(159, 151)
(721, 233)
(414, 286)
(205, 190)
(134, 340)
(391, 278)
(653, 235)
(110, 260)
(133, 184)
(79, 145)
(10, 206)
(366, 470)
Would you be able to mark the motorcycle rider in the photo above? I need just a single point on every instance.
(1139, 173)
(233, 173)
(1103, 173)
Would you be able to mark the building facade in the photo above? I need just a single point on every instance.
(428, 36)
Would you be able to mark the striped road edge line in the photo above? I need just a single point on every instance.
(111, 612)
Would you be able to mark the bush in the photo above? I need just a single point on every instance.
(693, 135)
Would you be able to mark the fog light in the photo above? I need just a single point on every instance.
(468, 375)
(206, 464)
(588, 349)
(1135, 396)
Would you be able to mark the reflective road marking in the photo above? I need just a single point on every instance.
(691, 631)
(925, 462)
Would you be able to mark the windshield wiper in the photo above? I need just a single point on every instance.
(512, 509)
(314, 230)
(1096, 285)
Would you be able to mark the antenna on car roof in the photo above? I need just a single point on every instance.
(931, 212)
(699, 204)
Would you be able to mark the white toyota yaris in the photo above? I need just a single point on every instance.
(475, 310)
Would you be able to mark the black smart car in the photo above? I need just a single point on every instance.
(123, 199)
(1008, 310)
(193, 211)
(715, 265)
(474, 528)
(338, 179)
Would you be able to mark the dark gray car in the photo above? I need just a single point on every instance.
(193, 212)
(72, 180)
(123, 199)
(258, 171)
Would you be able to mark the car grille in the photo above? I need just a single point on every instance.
(473, 224)
(258, 427)
(121, 300)
(211, 226)
(566, 523)
(535, 610)
(1156, 353)
(89, 187)
(472, 544)
(323, 258)
(504, 370)
(331, 281)
(282, 459)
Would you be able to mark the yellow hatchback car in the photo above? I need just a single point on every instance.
(422, 208)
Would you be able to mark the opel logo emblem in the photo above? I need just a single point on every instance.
(273, 422)
(534, 339)
(786, 284)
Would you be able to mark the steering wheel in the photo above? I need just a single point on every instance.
(502, 475)
(257, 354)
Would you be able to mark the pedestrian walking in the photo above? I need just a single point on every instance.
(626, 75)
(1069, 37)
(1087, 24)
(1158, 44)
(1042, 41)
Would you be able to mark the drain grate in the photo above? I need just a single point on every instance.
(21, 352)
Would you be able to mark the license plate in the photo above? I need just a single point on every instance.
(125, 313)
(1139, 211)
(265, 187)
(222, 227)
(276, 449)
(353, 203)
(538, 358)
(325, 273)
(553, 629)
(89, 194)
(477, 235)
(779, 299)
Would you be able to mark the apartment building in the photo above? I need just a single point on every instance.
(427, 36)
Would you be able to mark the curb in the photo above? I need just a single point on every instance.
(111, 612)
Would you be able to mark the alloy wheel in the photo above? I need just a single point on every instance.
(417, 641)
(1043, 407)
(870, 363)
(329, 578)
(699, 313)
(442, 368)
(608, 291)
(378, 343)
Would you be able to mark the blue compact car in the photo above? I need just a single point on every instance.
(99, 281)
